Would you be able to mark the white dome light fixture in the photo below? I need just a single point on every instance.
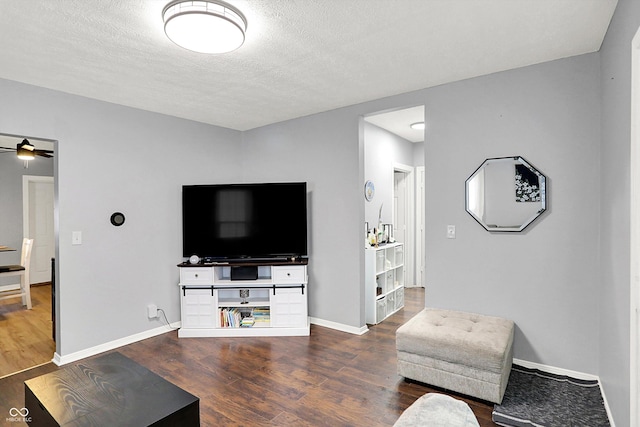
(417, 125)
(204, 26)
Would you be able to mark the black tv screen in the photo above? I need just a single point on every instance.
(237, 221)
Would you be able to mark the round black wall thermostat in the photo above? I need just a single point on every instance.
(117, 219)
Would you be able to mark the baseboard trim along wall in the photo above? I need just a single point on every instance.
(339, 326)
(92, 351)
(569, 373)
(111, 345)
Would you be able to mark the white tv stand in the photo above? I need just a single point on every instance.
(277, 299)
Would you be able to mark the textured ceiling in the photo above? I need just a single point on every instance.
(300, 56)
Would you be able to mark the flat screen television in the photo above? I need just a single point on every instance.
(244, 221)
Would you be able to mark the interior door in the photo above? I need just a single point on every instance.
(420, 248)
(403, 218)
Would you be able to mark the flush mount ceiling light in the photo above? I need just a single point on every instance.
(25, 150)
(417, 125)
(204, 26)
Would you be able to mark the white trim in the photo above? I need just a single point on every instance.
(419, 228)
(556, 371)
(634, 276)
(111, 345)
(92, 351)
(246, 332)
(572, 374)
(339, 326)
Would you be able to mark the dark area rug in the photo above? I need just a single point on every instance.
(539, 399)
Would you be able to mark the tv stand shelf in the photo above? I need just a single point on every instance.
(212, 304)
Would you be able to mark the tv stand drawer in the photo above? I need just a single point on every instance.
(288, 274)
(196, 275)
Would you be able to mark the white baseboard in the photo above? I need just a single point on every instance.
(556, 371)
(339, 326)
(569, 373)
(92, 351)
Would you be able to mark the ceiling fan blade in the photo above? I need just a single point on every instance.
(38, 152)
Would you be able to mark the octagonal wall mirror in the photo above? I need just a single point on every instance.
(505, 194)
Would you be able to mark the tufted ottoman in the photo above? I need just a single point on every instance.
(463, 352)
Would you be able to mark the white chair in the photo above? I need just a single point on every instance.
(21, 270)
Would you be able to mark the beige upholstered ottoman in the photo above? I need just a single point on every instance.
(463, 352)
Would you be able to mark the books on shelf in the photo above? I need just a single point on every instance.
(247, 322)
(261, 315)
(237, 317)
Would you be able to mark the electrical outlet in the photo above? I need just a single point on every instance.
(152, 311)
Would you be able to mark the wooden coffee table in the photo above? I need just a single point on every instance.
(110, 390)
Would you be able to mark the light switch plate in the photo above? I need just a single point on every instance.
(451, 231)
(76, 237)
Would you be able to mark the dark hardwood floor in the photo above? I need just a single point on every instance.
(330, 378)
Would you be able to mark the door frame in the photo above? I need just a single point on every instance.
(634, 286)
(419, 230)
(410, 209)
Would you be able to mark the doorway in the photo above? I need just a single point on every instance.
(393, 150)
(27, 190)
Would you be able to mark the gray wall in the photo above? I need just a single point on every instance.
(418, 154)
(111, 158)
(382, 150)
(323, 150)
(11, 172)
(546, 278)
(614, 321)
(570, 312)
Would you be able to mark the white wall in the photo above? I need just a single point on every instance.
(614, 293)
(111, 158)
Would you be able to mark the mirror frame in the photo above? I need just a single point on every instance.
(508, 228)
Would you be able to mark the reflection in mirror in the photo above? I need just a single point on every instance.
(505, 194)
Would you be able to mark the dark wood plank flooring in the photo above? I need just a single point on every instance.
(330, 378)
